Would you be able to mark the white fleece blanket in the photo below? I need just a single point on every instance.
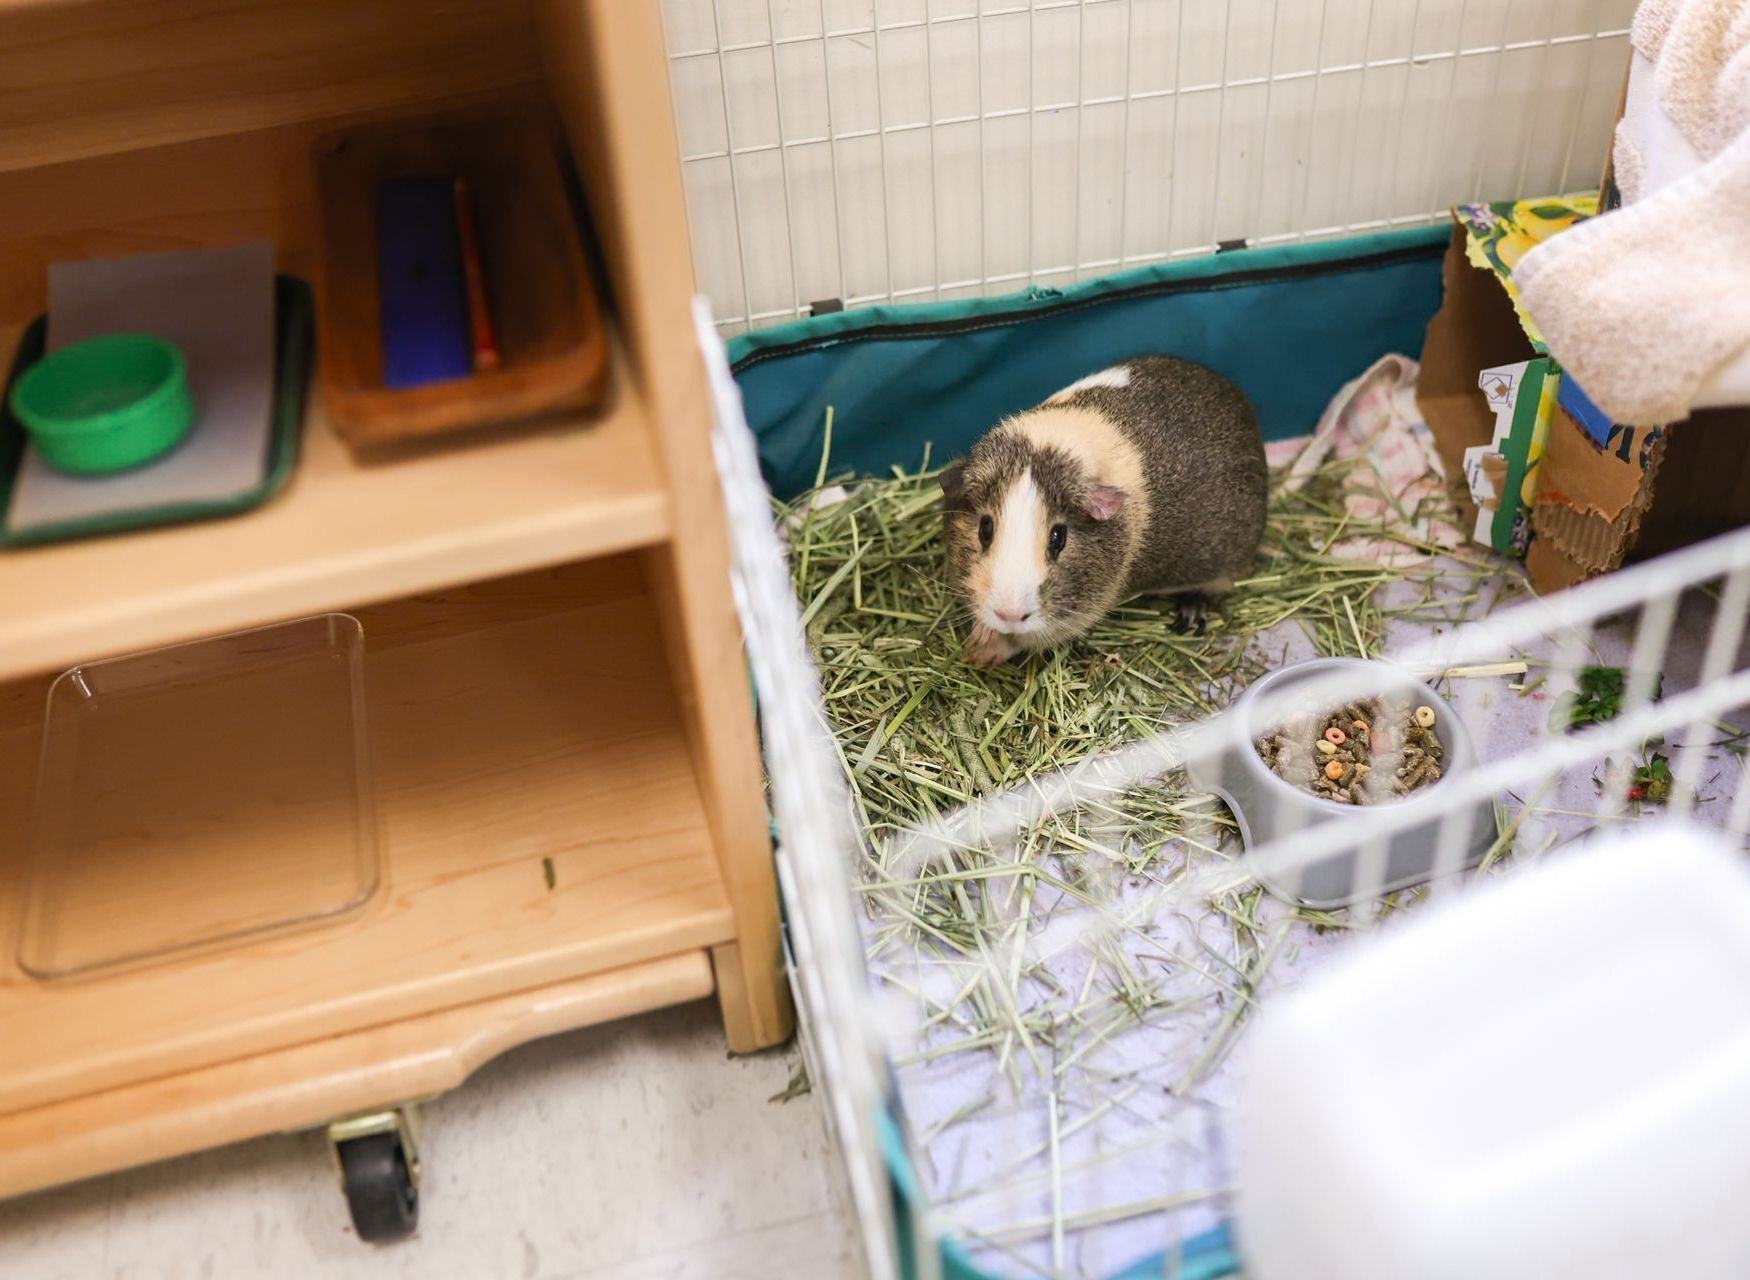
(1649, 305)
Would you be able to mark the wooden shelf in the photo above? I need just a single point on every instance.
(90, 79)
(583, 703)
(311, 1084)
(514, 721)
(342, 533)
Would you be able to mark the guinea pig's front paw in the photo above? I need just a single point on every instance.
(985, 648)
(1192, 618)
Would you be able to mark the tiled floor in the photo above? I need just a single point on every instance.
(634, 1151)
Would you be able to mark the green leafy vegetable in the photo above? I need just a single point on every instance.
(1598, 699)
(1652, 780)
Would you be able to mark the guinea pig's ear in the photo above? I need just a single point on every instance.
(953, 482)
(1102, 502)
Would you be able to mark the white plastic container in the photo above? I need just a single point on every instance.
(1546, 1077)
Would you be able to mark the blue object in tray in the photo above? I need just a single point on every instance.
(424, 301)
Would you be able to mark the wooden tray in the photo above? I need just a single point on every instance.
(544, 306)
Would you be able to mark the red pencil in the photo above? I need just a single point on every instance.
(486, 353)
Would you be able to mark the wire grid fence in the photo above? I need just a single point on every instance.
(1673, 742)
(1674, 627)
(817, 844)
(871, 151)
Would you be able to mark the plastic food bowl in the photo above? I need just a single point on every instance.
(1267, 808)
(106, 404)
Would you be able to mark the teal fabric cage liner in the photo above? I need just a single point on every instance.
(1290, 325)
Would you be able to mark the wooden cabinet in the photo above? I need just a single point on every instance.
(554, 671)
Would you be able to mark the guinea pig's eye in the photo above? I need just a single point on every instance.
(987, 529)
(1054, 541)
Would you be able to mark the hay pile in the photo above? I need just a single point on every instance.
(920, 730)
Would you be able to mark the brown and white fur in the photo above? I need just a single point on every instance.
(1147, 476)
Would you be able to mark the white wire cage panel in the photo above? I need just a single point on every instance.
(1107, 1108)
(816, 847)
(914, 150)
(1675, 631)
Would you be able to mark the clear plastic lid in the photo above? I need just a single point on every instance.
(200, 794)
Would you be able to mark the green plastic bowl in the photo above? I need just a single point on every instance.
(106, 404)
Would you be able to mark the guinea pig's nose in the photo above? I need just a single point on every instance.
(1013, 615)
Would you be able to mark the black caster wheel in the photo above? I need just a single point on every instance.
(381, 1190)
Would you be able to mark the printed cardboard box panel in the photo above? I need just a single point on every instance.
(1499, 234)
(1604, 493)
(1487, 395)
(1503, 475)
(1475, 329)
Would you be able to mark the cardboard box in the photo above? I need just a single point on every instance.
(1573, 492)
(1483, 343)
(1502, 475)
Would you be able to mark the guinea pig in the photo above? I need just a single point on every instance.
(1147, 476)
